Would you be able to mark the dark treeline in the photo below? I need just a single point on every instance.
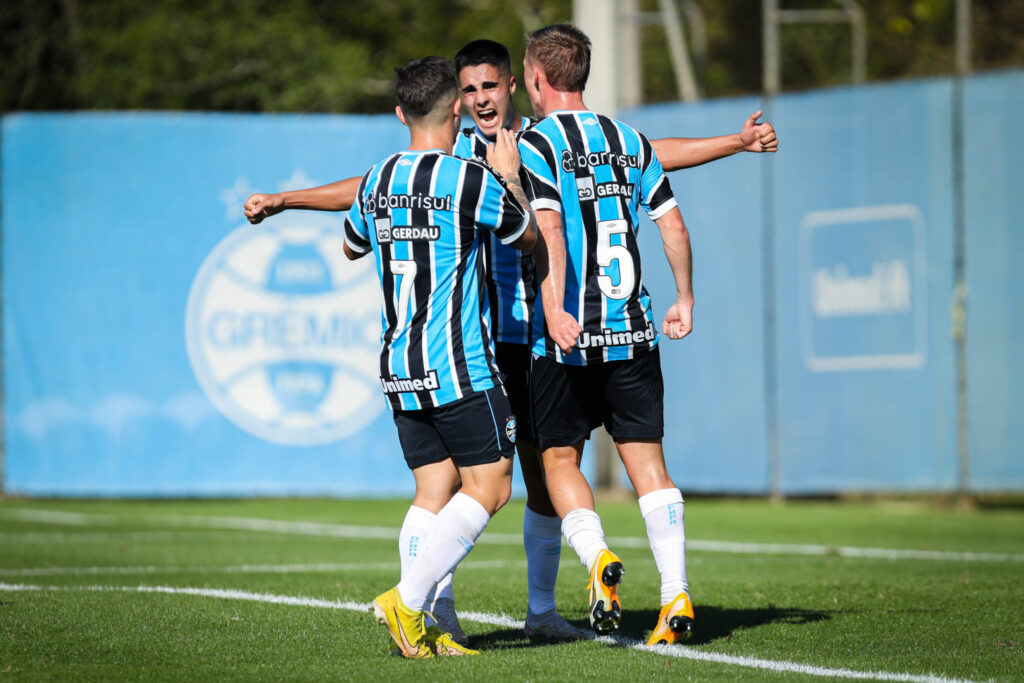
(338, 55)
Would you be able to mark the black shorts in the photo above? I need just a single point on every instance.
(474, 430)
(514, 362)
(569, 402)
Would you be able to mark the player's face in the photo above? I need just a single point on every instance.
(487, 96)
(531, 88)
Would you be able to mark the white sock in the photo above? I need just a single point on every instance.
(416, 527)
(542, 539)
(583, 532)
(456, 528)
(662, 511)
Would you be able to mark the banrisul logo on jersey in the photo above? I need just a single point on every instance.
(283, 331)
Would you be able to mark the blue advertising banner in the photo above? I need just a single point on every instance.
(863, 272)
(156, 344)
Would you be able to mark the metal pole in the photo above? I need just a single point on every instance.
(599, 20)
(770, 18)
(631, 86)
(963, 36)
(959, 326)
(860, 43)
(2, 402)
(685, 81)
(698, 40)
(770, 46)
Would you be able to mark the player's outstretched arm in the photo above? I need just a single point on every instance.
(503, 157)
(336, 196)
(676, 240)
(549, 256)
(677, 153)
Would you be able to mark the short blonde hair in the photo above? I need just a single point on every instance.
(562, 52)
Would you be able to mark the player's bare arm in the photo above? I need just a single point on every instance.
(549, 256)
(676, 241)
(336, 196)
(678, 153)
(503, 157)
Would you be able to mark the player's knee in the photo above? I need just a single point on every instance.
(503, 494)
(431, 500)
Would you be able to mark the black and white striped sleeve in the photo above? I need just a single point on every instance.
(501, 212)
(357, 235)
(655, 191)
(541, 163)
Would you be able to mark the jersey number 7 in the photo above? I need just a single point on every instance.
(404, 273)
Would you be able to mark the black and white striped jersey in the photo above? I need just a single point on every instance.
(421, 214)
(597, 172)
(510, 278)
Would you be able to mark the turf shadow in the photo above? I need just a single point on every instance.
(714, 623)
(506, 638)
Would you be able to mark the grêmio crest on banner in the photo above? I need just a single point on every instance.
(283, 331)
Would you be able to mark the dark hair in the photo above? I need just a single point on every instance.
(483, 52)
(562, 52)
(422, 83)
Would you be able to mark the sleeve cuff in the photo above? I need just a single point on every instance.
(662, 209)
(546, 204)
(519, 231)
(358, 248)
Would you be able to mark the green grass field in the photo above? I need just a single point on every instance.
(277, 589)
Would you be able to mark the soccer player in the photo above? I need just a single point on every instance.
(596, 348)
(487, 85)
(419, 213)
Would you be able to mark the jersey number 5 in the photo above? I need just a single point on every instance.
(618, 253)
(404, 273)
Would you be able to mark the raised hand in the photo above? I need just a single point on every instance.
(260, 206)
(503, 154)
(758, 137)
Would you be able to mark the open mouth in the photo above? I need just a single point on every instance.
(487, 115)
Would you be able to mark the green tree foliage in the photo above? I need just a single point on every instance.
(338, 55)
(237, 55)
(906, 39)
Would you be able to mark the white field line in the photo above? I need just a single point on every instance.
(502, 620)
(56, 517)
(329, 567)
(322, 529)
(86, 537)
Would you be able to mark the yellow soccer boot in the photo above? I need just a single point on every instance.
(674, 623)
(405, 625)
(605, 610)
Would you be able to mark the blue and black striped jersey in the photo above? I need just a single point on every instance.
(510, 280)
(596, 172)
(420, 213)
